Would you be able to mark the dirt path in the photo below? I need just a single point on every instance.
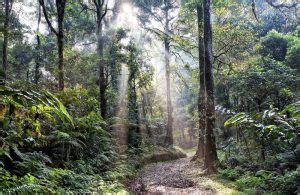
(176, 177)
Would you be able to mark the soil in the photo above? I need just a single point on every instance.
(170, 177)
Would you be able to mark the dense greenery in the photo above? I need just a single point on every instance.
(91, 90)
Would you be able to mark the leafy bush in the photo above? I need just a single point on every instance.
(248, 182)
(98, 141)
(275, 128)
(78, 148)
(293, 57)
(25, 185)
(231, 174)
(78, 101)
(288, 183)
(269, 181)
(56, 180)
(274, 45)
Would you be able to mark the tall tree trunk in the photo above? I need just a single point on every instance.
(134, 132)
(38, 47)
(210, 145)
(113, 69)
(114, 79)
(5, 39)
(60, 43)
(201, 100)
(136, 115)
(102, 81)
(60, 6)
(169, 136)
(102, 85)
(100, 48)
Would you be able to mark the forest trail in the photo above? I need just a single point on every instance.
(178, 177)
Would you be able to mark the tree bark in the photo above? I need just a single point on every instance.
(5, 40)
(210, 145)
(134, 131)
(38, 47)
(201, 100)
(169, 135)
(100, 48)
(102, 81)
(99, 4)
(60, 6)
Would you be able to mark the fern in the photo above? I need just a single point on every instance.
(26, 188)
(293, 109)
(239, 119)
(17, 98)
(271, 124)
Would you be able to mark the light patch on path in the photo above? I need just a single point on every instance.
(194, 171)
(177, 177)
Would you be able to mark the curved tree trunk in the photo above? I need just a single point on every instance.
(210, 145)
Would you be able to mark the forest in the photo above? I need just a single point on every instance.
(149, 96)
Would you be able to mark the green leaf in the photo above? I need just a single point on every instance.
(235, 119)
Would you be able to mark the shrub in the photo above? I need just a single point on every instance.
(274, 45)
(293, 57)
(270, 182)
(78, 101)
(288, 183)
(248, 182)
(231, 174)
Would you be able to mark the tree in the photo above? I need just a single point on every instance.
(201, 100)
(139, 81)
(169, 136)
(293, 57)
(262, 83)
(161, 11)
(115, 58)
(8, 7)
(38, 47)
(101, 10)
(21, 54)
(60, 12)
(274, 45)
(210, 152)
(134, 134)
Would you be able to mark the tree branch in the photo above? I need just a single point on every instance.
(254, 10)
(42, 3)
(149, 11)
(105, 12)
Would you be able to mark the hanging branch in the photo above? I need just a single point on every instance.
(42, 3)
(105, 11)
(254, 10)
